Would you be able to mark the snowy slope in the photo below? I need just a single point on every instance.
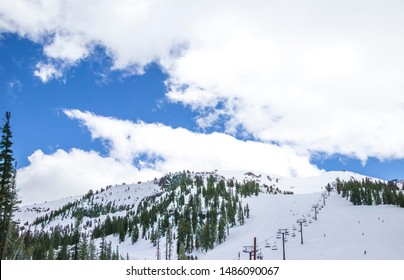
(342, 231)
(298, 185)
(120, 196)
(337, 234)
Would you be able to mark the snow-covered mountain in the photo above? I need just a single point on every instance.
(239, 205)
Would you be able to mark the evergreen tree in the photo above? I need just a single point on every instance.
(8, 193)
(240, 214)
(400, 199)
(135, 234)
(369, 200)
(103, 249)
(92, 250)
(51, 253)
(83, 251)
(63, 254)
(181, 253)
(121, 230)
(221, 235)
(169, 243)
(247, 211)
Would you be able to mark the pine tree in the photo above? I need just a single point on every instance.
(92, 250)
(221, 235)
(83, 251)
(169, 243)
(8, 193)
(135, 234)
(51, 253)
(240, 214)
(400, 199)
(181, 253)
(247, 211)
(121, 230)
(63, 254)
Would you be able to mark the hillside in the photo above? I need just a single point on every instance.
(213, 215)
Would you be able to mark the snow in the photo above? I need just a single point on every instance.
(336, 235)
(29, 213)
(342, 231)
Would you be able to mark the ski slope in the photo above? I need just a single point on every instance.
(342, 231)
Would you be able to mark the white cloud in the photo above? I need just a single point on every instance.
(140, 152)
(47, 72)
(178, 149)
(72, 173)
(319, 77)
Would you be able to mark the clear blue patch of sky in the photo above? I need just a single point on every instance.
(386, 170)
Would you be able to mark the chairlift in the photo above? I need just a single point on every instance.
(306, 224)
(247, 249)
(278, 236)
(294, 227)
(310, 221)
(293, 234)
(267, 245)
(274, 247)
(309, 215)
(260, 256)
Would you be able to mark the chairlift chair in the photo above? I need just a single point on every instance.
(260, 256)
(274, 247)
(267, 245)
(293, 234)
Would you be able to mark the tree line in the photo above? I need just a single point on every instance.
(367, 192)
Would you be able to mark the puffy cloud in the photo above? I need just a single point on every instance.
(141, 151)
(72, 173)
(47, 71)
(320, 77)
(165, 149)
(170, 149)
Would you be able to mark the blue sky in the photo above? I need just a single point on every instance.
(96, 103)
(37, 107)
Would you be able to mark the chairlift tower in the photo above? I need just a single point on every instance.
(301, 221)
(283, 231)
(251, 250)
(315, 206)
